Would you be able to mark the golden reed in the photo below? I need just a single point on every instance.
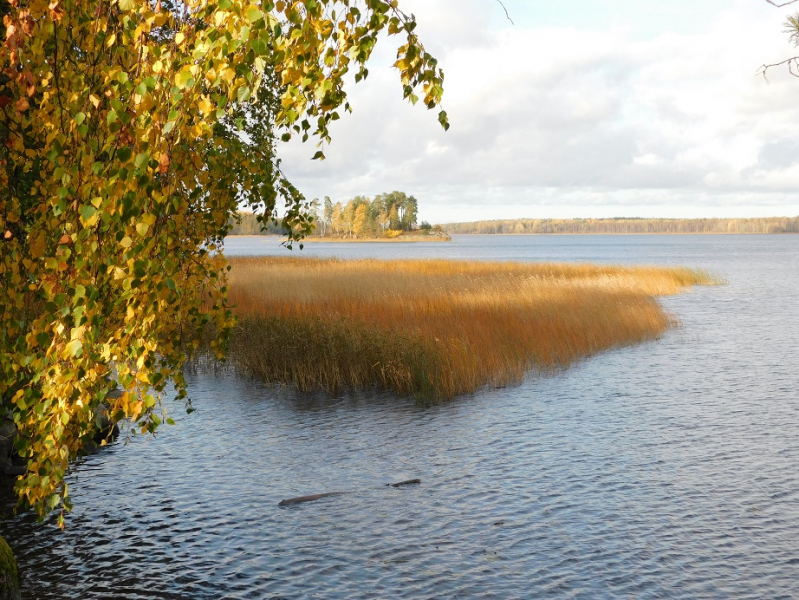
(435, 328)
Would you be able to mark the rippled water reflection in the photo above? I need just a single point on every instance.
(668, 469)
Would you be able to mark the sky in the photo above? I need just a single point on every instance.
(585, 108)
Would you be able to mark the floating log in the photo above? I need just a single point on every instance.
(401, 483)
(302, 499)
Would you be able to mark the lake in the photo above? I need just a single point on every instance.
(664, 469)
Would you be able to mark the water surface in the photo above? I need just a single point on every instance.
(664, 469)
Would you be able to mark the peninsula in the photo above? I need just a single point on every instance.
(390, 217)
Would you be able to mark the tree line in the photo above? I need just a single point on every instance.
(385, 215)
(627, 225)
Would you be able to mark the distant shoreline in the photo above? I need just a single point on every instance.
(413, 239)
(316, 240)
(587, 233)
(625, 226)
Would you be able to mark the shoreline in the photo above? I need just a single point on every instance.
(410, 239)
(318, 240)
(630, 233)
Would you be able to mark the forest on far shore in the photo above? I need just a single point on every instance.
(627, 225)
(384, 216)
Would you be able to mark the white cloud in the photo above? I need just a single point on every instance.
(566, 121)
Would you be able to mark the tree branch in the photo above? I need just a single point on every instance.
(512, 23)
(793, 64)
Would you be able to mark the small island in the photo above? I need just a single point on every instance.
(390, 217)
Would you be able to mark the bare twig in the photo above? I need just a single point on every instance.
(793, 62)
(793, 65)
(512, 23)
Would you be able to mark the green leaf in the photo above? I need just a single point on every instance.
(183, 78)
(444, 120)
(74, 348)
(253, 14)
(124, 154)
(79, 118)
(87, 212)
(259, 46)
(243, 94)
(141, 159)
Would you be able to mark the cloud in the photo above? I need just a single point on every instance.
(578, 118)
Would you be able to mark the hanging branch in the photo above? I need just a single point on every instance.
(793, 62)
(512, 23)
(793, 66)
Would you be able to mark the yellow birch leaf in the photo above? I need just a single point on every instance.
(37, 245)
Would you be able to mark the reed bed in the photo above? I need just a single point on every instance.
(435, 328)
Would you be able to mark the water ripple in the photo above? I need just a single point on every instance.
(668, 469)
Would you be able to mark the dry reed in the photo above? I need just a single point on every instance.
(434, 328)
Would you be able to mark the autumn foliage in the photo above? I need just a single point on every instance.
(130, 132)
